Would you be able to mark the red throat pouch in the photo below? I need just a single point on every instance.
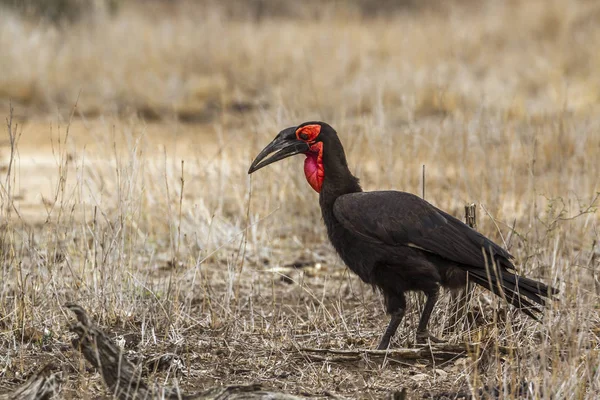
(313, 166)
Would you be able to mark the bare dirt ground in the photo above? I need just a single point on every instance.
(126, 191)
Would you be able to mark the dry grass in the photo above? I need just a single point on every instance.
(153, 225)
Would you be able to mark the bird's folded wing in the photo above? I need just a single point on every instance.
(403, 219)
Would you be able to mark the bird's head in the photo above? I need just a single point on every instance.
(309, 139)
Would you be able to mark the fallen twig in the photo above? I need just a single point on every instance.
(403, 353)
(124, 378)
(44, 385)
(443, 351)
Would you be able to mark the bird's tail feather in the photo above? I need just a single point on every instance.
(519, 291)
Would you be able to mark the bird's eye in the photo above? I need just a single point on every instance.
(308, 133)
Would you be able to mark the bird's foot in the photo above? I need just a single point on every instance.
(423, 337)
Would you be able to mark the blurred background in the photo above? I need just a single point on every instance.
(454, 85)
(192, 60)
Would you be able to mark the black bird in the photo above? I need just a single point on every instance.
(397, 241)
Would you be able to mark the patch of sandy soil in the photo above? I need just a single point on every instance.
(47, 150)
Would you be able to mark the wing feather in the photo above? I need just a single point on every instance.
(403, 219)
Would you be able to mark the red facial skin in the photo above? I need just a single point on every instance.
(313, 165)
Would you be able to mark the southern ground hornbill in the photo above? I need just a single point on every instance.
(397, 241)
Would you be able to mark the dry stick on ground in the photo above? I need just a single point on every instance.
(124, 379)
(442, 351)
(41, 386)
(461, 302)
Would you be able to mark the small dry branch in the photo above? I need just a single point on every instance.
(471, 215)
(124, 379)
(460, 301)
(44, 385)
(442, 351)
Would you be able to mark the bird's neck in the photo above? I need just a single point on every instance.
(337, 181)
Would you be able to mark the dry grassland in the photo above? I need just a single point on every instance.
(125, 190)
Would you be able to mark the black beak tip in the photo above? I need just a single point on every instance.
(255, 166)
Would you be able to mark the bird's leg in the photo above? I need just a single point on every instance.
(391, 329)
(396, 307)
(422, 332)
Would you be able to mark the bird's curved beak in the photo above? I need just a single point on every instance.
(283, 146)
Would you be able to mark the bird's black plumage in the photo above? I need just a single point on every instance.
(399, 242)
